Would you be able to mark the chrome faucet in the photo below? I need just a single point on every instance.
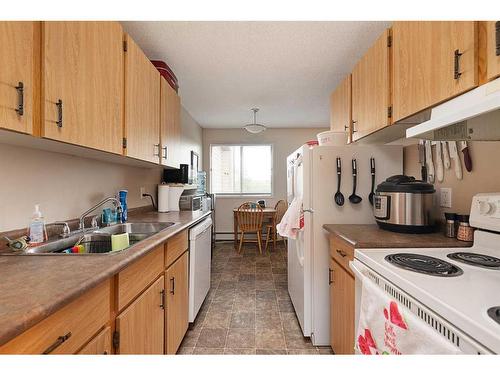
(104, 201)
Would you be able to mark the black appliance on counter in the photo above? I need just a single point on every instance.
(177, 175)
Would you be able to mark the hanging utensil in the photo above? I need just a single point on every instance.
(446, 155)
(353, 198)
(421, 160)
(467, 159)
(339, 197)
(428, 160)
(372, 171)
(456, 159)
(439, 163)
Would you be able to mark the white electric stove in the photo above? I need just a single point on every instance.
(455, 291)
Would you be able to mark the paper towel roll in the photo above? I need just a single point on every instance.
(163, 194)
(173, 197)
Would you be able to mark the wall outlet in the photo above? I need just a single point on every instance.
(445, 197)
(142, 191)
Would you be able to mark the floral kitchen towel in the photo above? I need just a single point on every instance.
(387, 327)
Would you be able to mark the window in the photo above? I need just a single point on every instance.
(241, 169)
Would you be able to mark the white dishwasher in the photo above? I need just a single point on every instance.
(200, 249)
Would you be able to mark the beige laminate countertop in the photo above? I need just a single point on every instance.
(371, 236)
(32, 287)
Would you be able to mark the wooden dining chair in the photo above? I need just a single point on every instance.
(250, 217)
(271, 232)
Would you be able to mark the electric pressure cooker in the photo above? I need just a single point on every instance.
(403, 204)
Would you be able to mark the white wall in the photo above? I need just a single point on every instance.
(67, 185)
(284, 142)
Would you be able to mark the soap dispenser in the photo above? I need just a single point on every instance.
(37, 231)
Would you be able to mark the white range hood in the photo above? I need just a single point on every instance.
(474, 115)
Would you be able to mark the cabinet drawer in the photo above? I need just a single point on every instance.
(135, 278)
(341, 251)
(65, 331)
(175, 246)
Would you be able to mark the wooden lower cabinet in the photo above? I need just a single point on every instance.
(176, 287)
(140, 326)
(342, 309)
(101, 344)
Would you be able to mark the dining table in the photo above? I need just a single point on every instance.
(269, 213)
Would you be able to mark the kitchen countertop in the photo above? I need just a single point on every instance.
(33, 287)
(371, 236)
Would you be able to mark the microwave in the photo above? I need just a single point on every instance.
(190, 202)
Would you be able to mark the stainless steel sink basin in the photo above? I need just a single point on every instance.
(98, 241)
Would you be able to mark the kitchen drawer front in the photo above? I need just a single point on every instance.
(341, 251)
(175, 246)
(136, 277)
(67, 330)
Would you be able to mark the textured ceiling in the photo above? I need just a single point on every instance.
(287, 69)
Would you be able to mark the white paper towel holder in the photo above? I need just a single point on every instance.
(163, 198)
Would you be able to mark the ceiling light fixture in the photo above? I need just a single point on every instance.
(254, 128)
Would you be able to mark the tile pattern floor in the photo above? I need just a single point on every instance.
(248, 309)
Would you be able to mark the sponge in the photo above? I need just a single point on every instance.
(119, 241)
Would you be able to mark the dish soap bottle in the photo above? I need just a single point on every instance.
(37, 232)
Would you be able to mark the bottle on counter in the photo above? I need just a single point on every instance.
(36, 230)
(122, 196)
(450, 225)
(465, 231)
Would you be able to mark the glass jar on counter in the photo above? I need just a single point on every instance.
(465, 231)
(450, 229)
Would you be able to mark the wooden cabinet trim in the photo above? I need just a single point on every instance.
(175, 247)
(342, 252)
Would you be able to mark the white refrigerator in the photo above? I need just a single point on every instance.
(312, 174)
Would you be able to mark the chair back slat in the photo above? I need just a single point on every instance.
(250, 217)
(280, 207)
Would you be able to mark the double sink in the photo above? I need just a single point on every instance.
(98, 240)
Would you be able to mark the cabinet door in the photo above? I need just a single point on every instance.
(141, 325)
(340, 108)
(19, 43)
(142, 105)
(82, 76)
(170, 125)
(493, 49)
(101, 344)
(177, 303)
(424, 63)
(371, 90)
(342, 309)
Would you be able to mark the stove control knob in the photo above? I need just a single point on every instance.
(485, 208)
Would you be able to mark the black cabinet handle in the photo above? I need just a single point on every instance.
(457, 72)
(162, 299)
(497, 38)
(330, 276)
(172, 285)
(341, 253)
(59, 121)
(20, 100)
(57, 343)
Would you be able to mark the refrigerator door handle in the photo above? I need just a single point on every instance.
(310, 210)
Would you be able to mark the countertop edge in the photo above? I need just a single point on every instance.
(37, 315)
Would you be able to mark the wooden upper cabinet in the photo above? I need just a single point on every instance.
(493, 49)
(432, 62)
(82, 73)
(177, 313)
(340, 108)
(142, 105)
(371, 89)
(19, 46)
(170, 125)
(141, 325)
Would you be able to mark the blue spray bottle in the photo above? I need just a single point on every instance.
(122, 194)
